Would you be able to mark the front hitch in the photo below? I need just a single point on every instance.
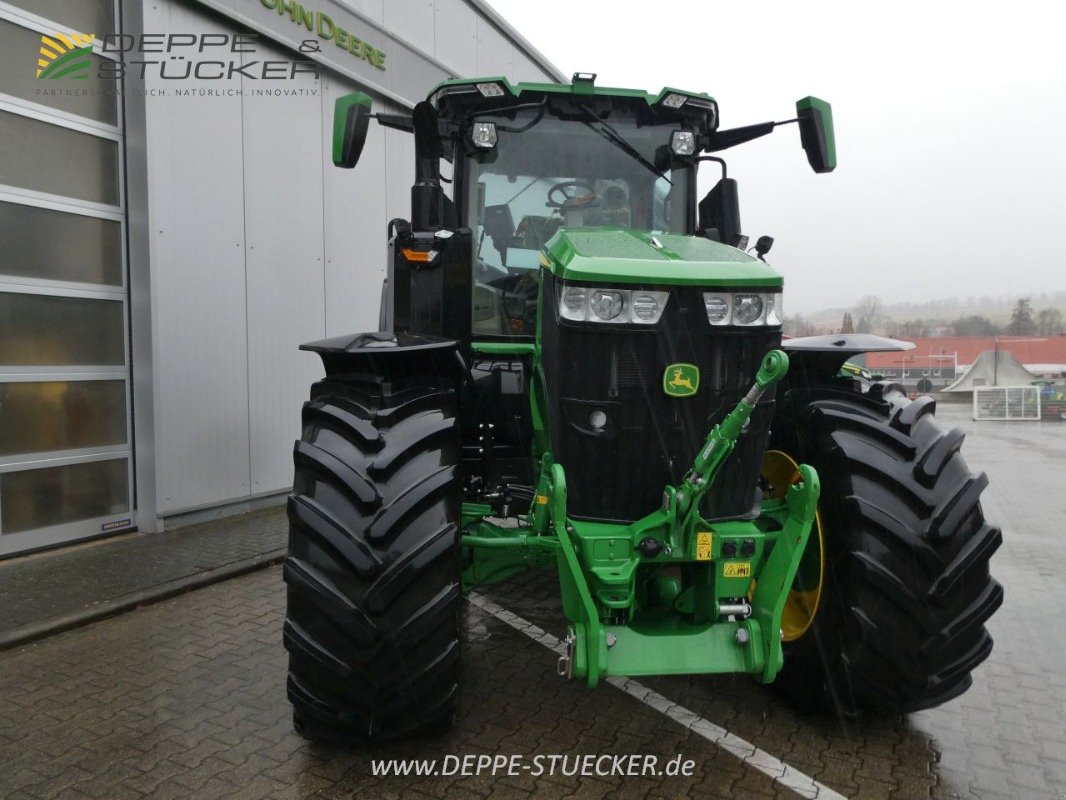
(723, 437)
(723, 617)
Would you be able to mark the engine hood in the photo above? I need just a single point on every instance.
(623, 255)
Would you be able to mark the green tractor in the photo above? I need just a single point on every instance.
(580, 367)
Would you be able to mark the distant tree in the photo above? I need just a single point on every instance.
(1021, 318)
(797, 325)
(1049, 322)
(869, 312)
(974, 325)
(914, 329)
(938, 326)
(847, 326)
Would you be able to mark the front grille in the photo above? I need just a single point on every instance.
(651, 439)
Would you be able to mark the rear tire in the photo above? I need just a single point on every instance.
(372, 625)
(906, 587)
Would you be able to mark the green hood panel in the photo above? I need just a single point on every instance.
(621, 255)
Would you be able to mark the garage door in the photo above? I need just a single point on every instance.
(65, 439)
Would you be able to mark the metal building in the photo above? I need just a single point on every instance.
(171, 230)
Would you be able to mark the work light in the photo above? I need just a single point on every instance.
(455, 88)
(683, 143)
(483, 134)
(676, 100)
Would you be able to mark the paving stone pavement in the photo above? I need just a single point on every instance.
(48, 586)
(186, 698)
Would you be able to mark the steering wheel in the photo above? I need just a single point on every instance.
(574, 193)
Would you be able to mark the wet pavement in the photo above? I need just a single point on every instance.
(63, 587)
(185, 698)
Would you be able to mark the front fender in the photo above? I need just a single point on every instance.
(815, 358)
(388, 355)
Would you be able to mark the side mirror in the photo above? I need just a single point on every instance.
(719, 213)
(351, 119)
(816, 133)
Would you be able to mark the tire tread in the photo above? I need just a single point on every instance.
(372, 626)
(908, 589)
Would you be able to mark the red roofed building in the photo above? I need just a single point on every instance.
(943, 358)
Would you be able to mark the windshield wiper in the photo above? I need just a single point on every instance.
(609, 133)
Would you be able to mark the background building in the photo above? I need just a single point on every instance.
(942, 359)
(167, 240)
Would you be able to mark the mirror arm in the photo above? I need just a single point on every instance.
(406, 123)
(717, 160)
(722, 140)
(400, 122)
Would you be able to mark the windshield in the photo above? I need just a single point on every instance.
(546, 173)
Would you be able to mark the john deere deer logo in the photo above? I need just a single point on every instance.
(681, 380)
(64, 56)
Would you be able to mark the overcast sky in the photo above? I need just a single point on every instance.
(949, 117)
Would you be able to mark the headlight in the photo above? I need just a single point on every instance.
(743, 308)
(607, 305)
(747, 309)
(717, 306)
(617, 306)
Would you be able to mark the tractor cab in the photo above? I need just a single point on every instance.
(528, 160)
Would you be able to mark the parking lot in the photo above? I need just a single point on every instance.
(186, 698)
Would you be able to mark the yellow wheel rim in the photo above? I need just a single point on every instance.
(801, 605)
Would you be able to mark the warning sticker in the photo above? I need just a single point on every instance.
(739, 569)
(703, 546)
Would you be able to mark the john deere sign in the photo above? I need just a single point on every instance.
(341, 38)
(326, 28)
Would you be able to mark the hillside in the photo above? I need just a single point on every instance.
(934, 312)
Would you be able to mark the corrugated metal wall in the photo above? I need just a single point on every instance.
(258, 244)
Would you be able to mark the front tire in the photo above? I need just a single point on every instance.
(907, 588)
(372, 625)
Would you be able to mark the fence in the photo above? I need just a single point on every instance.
(1006, 403)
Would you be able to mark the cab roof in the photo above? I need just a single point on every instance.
(577, 87)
